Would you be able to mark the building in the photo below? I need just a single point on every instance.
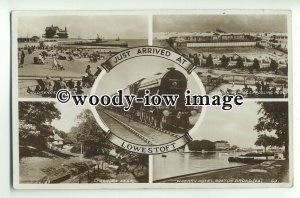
(213, 39)
(55, 32)
(55, 141)
(222, 145)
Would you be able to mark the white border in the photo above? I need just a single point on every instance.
(160, 185)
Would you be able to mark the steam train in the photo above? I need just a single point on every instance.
(178, 117)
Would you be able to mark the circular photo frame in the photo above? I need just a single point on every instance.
(148, 71)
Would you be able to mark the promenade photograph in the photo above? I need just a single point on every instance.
(239, 146)
(62, 144)
(66, 51)
(244, 54)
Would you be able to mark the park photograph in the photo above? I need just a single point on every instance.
(61, 144)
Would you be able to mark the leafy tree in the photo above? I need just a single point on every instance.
(274, 118)
(239, 62)
(256, 64)
(224, 61)
(199, 145)
(35, 119)
(274, 65)
(209, 61)
(91, 136)
(265, 141)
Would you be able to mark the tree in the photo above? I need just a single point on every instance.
(274, 65)
(35, 119)
(239, 62)
(224, 61)
(256, 64)
(265, 141)
(209, 61)
(91, 136)
(199, 145)
(274, 118)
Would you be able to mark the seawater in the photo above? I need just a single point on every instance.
(180, 163)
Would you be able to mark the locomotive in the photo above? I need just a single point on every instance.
(175, 117)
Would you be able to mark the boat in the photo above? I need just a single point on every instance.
(186, 149)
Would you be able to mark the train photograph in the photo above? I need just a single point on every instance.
(149, 124)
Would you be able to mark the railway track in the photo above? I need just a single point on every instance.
(136, 131)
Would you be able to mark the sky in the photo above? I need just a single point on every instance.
(228, 23)
(110, 27)
(235, 126)
(69, 113)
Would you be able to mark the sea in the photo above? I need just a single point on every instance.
(131, 43)
(181, 163)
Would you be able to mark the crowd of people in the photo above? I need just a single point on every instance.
(48, 87)
(57, 53)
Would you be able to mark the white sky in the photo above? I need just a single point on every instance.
(126, 26)
(235, 126)
(69, 113)
(228, 23)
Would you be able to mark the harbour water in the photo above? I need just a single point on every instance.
(181, 163)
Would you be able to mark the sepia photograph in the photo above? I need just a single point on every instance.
(149, 125)
(230, 125)
(234, 54)
(62, 144)
(66, 51)
(240, 146)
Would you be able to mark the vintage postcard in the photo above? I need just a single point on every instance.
(152, 99)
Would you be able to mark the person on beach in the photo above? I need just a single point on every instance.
(79, 88)
(62, 84)
(40, 59)
(196, 60)
(48, 83)
(98, 71)
(21, 59)
(88, 70)
(54, 62)
(71, 84)
(90, 76)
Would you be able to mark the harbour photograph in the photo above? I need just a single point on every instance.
(66, 51)
(245, 54)
(239, 146)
